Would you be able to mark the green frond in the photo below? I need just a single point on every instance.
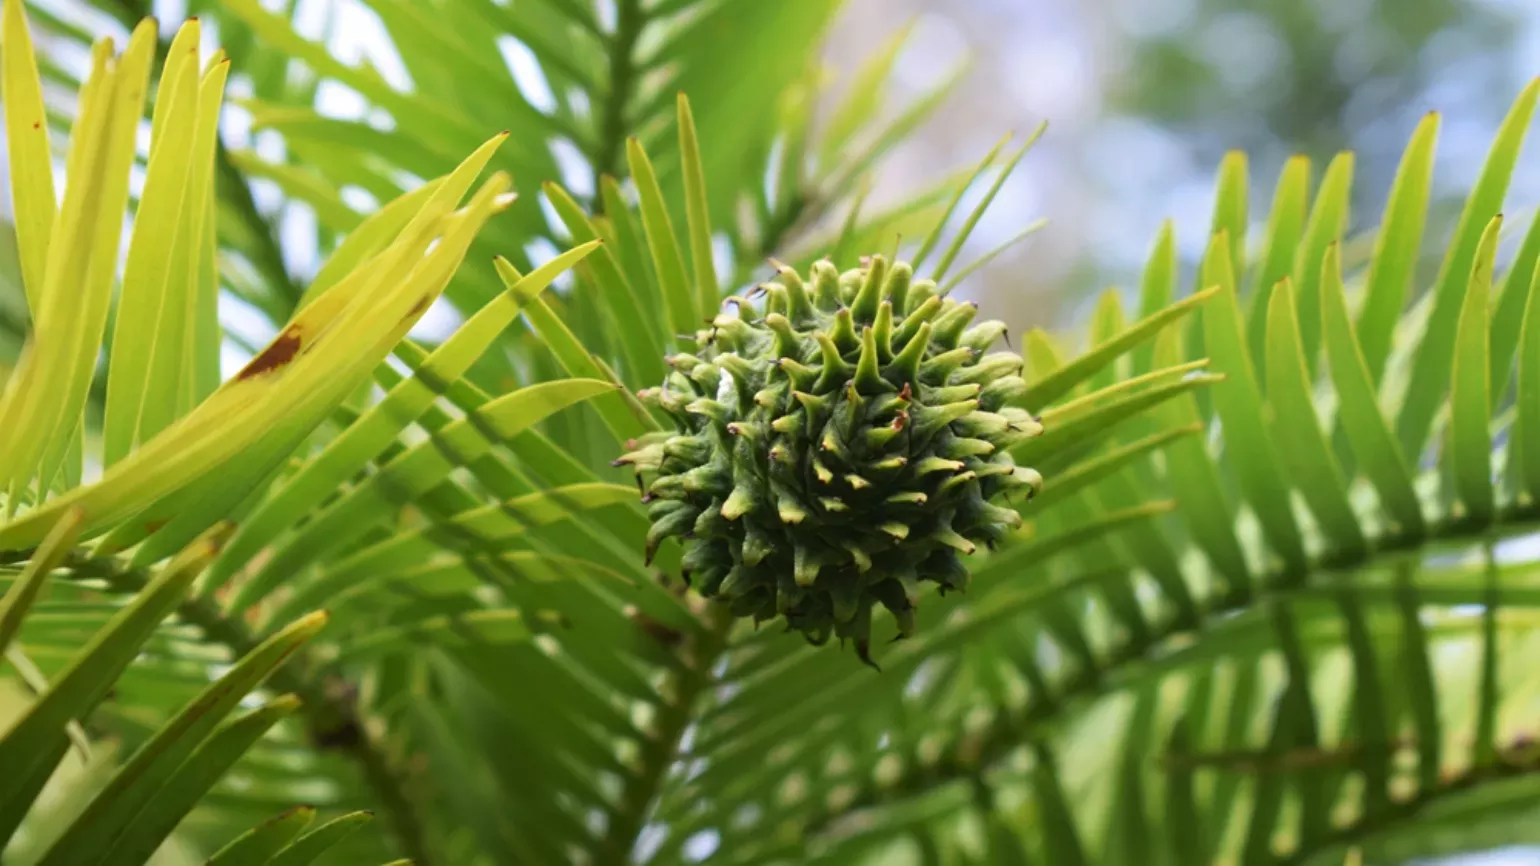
(1398, 698)
(1274, 602)
(143, 802)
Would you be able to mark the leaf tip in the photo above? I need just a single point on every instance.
(308, 625)
(284, 704)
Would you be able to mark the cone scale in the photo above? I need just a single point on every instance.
(835, 448)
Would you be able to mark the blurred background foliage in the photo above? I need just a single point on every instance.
(1143, 97)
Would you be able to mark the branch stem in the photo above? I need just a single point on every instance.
(607, 155)
(977, 753)
(662, 749)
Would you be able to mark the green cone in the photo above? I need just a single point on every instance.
(836, 449)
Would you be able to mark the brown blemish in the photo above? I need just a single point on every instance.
(422, 304)
(37, 124)
(155, 526)
(665, 635)
(278, 354)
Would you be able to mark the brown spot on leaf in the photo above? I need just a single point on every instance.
(37, 124)
(155, 526)
(279, 353)
(664, 634)
(422, 304)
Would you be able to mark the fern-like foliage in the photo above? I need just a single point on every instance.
(558, 631)
(585, 88)
(1319, 649)
(483, 586)
(177, 453)
(1272, 603)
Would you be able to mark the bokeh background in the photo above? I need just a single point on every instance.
(1143, 97)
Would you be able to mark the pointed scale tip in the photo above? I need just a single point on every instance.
(864, 651)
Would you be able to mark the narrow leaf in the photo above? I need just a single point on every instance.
(377, 428)
(37, 416)
(1238, 402)
(1107, 319)
(931, 240)
(967, 270)
(697, 213)
(1182, 816)
(307, 848)
(1435, 351)
(1285, 224)
(33, 201)
(1358, 410)
(1470, 435)
(1525, 440)
(978, 211)
(1232, 214)
(1195, 481)
(1396, 247)
(1508, 310)
(38, 734)
(685, 315)
(1085, 428)
(1370, 713)
(24, 589)
(182, 792)
(1063, 380)
(147, 274)
(411, 474)
(620, 411)
(1328, 220)
(261, 843)
(640, 333)
(122, 803)
(1305, 450)
(1488, 694)
(1415, 676)
(1156, 288)
(1089, 472)
(1061, 839)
